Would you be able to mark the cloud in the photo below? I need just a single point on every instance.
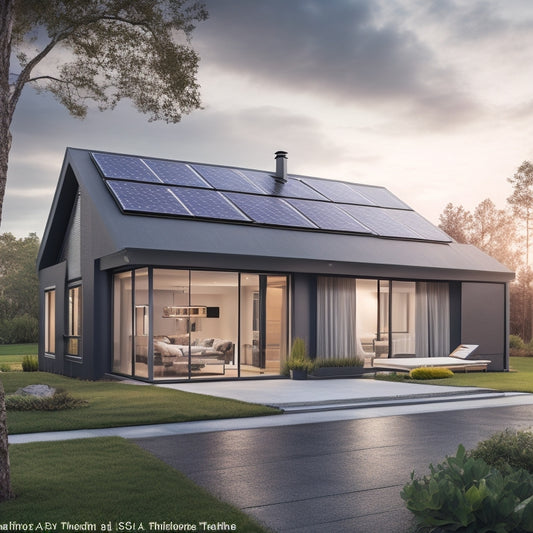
(345, 51)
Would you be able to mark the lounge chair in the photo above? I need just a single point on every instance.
(457, 360)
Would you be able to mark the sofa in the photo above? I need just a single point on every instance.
(211, 354)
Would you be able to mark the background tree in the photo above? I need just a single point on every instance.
(456, 222)
(118, 49)
(19, 289)
(522, 200)
(490, 229)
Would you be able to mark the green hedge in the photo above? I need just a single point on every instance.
(19, 330)
(430, 373)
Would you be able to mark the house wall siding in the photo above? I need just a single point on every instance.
(483, 321)
(53, 277)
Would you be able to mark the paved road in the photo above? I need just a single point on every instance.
(335, 477)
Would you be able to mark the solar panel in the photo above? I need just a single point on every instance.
(418, 223)
(123, 167)
(175, 173)
(337, 191)
(292, 188)
(146, 198)
(269, 210)
(379, 195)
(378, 220)
(328, 216)
(225, 179)
(208, 204)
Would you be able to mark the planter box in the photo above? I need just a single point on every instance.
(298, 374)
(341, 371)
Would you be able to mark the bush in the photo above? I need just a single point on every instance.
(30, 363)
(430, 373)
(516, 343)
(19, 330)
(59, 401)
(507, 450)
(466, 494)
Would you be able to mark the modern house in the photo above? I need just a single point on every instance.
(171, 270)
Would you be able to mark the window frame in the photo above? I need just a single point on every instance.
(74, 324)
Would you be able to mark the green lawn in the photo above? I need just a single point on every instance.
(518, 379)
(11, 354)
(113, 404)
(107, 480)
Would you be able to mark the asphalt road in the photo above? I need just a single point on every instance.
(331, 477)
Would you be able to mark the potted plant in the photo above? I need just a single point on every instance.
(299, 363)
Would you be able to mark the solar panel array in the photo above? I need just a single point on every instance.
(159, 187)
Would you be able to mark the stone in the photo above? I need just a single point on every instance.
(42, 391)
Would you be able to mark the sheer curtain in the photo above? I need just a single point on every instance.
(336, 318)
(432, 319)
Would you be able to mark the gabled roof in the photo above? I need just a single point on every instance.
(185, 190)
(145, 210)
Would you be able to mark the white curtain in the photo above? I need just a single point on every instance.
(336, 318)
(432, 319)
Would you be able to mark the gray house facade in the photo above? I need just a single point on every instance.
(169, 270)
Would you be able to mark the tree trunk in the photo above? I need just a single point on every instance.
(6, 114)
(5, 477)
(6, 108)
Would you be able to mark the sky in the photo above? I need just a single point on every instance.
(432, 99)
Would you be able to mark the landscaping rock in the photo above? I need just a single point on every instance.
(42, 391)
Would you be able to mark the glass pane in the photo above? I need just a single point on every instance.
(382, 338)
(403, 318)
(276, 334)
(74, 321)
(367, 318)
(50, 322)
(264, 324)
(122, 323)
(214, 308)
(171, 323)
(141, 323)
(251, 353)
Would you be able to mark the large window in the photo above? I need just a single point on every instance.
(184, 324)
(74, 321)
(382, 318)
(50, 321)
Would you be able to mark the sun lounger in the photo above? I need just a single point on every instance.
(457, 360)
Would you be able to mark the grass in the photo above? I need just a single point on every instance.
(107, 480)
(114, 404)
(518, 379)
(11, 354)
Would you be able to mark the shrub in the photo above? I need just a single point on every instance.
(298, 359)
(30, 363)
(19, 330)
(466, 494)
(516, 343)
(507, 450)
(339, 361)
(298, 350)
(59, 401)
(5, 367)
(430, 373)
